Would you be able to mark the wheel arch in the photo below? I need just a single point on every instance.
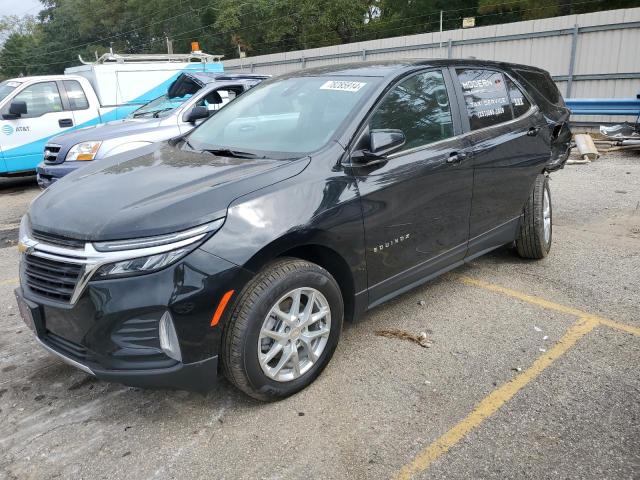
(320, 254)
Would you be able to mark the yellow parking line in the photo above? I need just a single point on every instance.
(13, 281)
(544, 303)
(496, 399)
(541, 302)
(625, 327)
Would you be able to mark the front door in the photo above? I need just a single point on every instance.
(24, 136)
(416, 204)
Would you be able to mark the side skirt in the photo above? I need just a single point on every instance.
(410, 279)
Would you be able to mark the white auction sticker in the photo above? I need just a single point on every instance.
(342, 85)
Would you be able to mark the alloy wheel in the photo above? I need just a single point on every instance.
(294, 334)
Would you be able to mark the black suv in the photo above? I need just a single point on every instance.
(243, 245)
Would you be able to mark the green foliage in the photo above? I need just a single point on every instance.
(65, 29)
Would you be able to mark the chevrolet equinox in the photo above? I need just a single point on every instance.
(242, 246)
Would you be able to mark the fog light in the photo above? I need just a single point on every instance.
(168, 338)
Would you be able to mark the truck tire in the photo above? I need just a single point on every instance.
(536, 230)
(283, 330)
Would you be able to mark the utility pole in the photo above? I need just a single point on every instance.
(440, 28)
(240, 56)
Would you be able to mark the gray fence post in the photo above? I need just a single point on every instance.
(450, 49)
(364, 54)
(572, 59)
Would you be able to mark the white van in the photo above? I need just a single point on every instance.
(34, 109)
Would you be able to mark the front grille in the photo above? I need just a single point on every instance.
(51, 278)
(66, 347)
(57, 240)
(51, 152)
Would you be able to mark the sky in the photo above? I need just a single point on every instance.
(19, 7)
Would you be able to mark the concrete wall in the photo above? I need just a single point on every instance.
(589, 55)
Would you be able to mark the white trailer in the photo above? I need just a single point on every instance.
(34, 109)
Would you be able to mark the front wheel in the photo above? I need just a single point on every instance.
(283, 330)
(536, 229)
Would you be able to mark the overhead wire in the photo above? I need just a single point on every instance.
(377, 31)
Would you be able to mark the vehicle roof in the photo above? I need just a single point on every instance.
(43, 77)
(392, 67)
(207, 77)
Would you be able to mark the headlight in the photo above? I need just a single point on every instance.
(83, 151)
(145, 255)
(137, 266)
(23, 234)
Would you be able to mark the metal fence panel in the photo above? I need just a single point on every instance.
(589, 55)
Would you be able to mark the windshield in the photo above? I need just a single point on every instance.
(6, 88)
(289, 116)
(160, 107)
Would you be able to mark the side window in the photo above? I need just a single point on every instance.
(75, 93)
(419, 106)
(519, 102)
(544, 85)
(218, 98)
(485, 95)
(40, 98)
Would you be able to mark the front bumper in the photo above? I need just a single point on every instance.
(112, 331)
(197, 376)
(49, 174)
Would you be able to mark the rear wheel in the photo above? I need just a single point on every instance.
(536, 229)
(284, 329)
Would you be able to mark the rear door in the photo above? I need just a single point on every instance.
(24, 136)
(78, 104)
(508, 147)
(416, 203)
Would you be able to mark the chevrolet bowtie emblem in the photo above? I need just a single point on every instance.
(22, 248)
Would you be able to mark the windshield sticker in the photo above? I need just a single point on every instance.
(342, 86)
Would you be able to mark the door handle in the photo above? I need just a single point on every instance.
(65, 122)
(533, 131)
(456, 157)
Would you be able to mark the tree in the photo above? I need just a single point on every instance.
(64, 29)
(20, 41)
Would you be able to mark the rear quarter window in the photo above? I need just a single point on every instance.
(543, 85)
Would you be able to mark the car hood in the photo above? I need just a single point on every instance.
(165, 190)
(107, 131)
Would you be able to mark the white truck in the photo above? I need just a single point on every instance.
(34, 109)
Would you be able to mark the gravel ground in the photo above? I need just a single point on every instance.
(381, 400)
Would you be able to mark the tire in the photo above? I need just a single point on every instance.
(245, 347)
(532, 242)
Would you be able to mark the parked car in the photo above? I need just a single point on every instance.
(244, 245)
(188, 101)
(34, 109)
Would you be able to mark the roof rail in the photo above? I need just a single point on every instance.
(154, 57)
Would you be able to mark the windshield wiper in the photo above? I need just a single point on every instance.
(226, 152)
(157, 113)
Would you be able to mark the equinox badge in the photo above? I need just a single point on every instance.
(391, 243)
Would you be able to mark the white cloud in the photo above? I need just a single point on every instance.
(19, 7)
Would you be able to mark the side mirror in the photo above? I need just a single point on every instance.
(196, 113)
(17, 109)
(384, 142)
